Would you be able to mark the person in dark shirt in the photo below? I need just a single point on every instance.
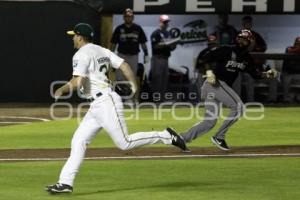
(225, 32)
(212, 44)
(226, 35)
(127, 39)
(222, 68)
(162, 45)
(290, 70)
(259, 46)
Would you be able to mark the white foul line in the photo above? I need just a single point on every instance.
(15, 122)
(160, 157)
(22, 117)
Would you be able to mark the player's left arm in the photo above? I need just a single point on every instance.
(73, 84)
(270, 74)
(256, 73)
(128, 73)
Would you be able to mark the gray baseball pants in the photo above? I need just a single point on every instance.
(215, 97)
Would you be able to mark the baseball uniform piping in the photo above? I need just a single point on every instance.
(232, 121)
(124, 135)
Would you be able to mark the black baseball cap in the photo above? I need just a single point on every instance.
(82, 29)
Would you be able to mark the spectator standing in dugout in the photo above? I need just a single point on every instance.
(225, 32)
(162, 46)
(127, 39)
(259, 46)
(290, 70)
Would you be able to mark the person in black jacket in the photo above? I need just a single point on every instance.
(259, 45)
(212, 44)
(127, 39)
(222, 67)
(225, 32)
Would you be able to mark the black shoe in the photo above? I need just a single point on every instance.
(59, 188)
(220, 143)
(178, 141)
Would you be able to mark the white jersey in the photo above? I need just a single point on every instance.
(93, 62)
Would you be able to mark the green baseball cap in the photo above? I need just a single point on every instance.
(82, 29)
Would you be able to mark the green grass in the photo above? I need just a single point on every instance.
(196, 179)
(280, 126)
(226, 179)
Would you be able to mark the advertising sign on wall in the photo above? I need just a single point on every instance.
(279, 31)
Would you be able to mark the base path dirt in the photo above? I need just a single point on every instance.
(29, 113)
(154, 152)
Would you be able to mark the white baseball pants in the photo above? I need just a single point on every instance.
(107, 112)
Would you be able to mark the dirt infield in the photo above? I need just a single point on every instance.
(12, 114)
(149, 152)
(28, 113)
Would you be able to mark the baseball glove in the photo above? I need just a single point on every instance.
(124, 90)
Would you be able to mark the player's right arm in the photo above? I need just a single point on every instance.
(119, 63)
(209, 75)
(73, 84)
(80, 69)
(208, 61)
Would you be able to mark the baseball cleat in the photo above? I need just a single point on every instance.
(178, 141)
(59, 188)
(220, 143)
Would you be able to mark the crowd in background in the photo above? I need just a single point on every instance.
(129, 37)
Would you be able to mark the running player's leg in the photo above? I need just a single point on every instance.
(86, 131)
(210, 116)
(230, 99)
(114, 123)
(209, 121)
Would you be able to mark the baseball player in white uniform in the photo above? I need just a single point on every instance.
(90, 65)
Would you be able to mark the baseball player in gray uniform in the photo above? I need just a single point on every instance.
(222, 67)
(90, 66)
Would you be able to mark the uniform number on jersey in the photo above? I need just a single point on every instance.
(104, 69)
